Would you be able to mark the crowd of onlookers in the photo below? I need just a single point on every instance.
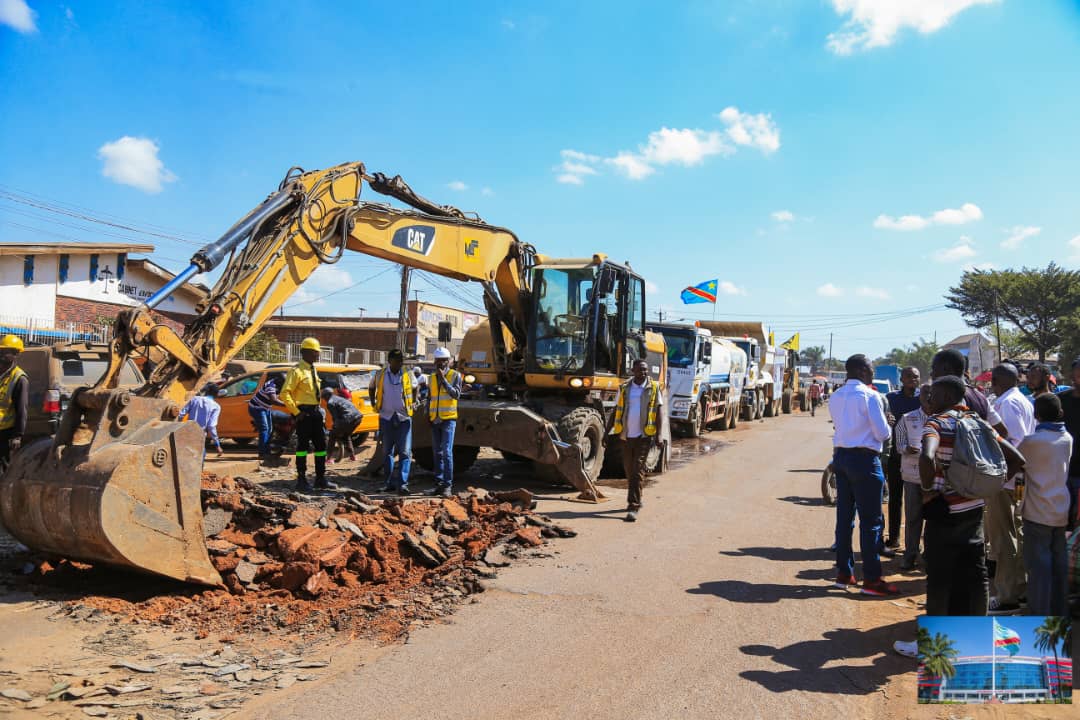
(1004, 551)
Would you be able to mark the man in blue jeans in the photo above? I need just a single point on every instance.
(861, 428)
(261, 409)
(444, 391)
(392, 395)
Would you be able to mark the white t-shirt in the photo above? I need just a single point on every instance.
(633, 410)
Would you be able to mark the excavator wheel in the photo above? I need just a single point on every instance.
(464, 457)
(785, 403)
(584, 427)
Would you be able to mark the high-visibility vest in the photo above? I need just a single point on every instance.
(649, 409)
(441, 406)
(406, 390)
(7, 386)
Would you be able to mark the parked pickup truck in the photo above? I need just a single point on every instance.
(56, 371)
(705, 378)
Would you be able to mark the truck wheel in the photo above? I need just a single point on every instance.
(770, 407)
(724, 420)
(733, 418)
(584, 427)
(759, 408)
(785, 402)
(748, 410)
(700, 426)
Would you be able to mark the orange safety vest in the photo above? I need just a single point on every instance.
(649, 409)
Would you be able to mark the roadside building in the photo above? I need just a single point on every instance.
(979, 349)
(73, 291)
(1007, 679)
(426, 317)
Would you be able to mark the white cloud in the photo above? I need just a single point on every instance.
(962, 250)
(1074, 248)
(783, 216)
(968, 212)
(486, 191)
(651, 288)
(1017, 235)
(674, 146)
(872, 292)
(457, 185)
(329, 278)
(18, 15)
(134, 161)
(876, 23)
(729, 288)
(754, 130)
(830, 290)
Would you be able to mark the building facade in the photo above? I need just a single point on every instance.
(979, 349)
(981, 679)
(425, 318)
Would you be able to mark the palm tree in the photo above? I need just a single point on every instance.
(936, 654)
(1047, 636)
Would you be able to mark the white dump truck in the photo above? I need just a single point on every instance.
(705, 378)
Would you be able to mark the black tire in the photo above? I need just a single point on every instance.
(770, 408)
(828, 485)
(748, 410)
(243, 442)
(733, 420)
(699, 426)
(464, 457)
(785, 402)
(584, 427)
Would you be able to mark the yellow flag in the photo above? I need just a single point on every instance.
(792, 343)
(772, 339)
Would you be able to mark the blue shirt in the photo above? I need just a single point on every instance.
(203, 410)
(901, 404)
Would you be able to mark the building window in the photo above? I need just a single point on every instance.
(121, 263)
(65, 261)
(295, 337)
(93, 268)
(28, 270)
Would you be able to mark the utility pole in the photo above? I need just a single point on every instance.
(403, 309)
(828, 363)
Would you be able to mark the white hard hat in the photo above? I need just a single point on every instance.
(442, 354)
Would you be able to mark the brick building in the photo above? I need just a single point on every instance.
(343, 339)
(57, 286)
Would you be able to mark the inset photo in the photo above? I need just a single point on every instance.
(1019, 659)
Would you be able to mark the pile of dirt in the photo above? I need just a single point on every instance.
(300, 563)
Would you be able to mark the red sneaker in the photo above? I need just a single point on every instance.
(879, 588)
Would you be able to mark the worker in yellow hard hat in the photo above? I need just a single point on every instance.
(300, 393)
(14, 398)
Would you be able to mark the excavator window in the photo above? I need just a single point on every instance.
(562, 318)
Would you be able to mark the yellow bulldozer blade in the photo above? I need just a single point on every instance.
(119, 485)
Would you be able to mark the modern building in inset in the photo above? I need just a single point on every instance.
(1017, 680)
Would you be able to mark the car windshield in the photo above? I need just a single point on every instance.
(680, 348)
(562, 312)
(241, 386)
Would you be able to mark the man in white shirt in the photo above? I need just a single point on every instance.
(639, 415)
(1002, 530)
(861, 426)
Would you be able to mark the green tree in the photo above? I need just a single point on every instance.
(263, 347)
(1034, 301)
(813, 355)
(1047, 638)
(1011, 342)
(936, 654)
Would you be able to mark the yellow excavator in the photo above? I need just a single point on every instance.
(120, 481)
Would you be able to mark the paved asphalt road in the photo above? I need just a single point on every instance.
(715, 604)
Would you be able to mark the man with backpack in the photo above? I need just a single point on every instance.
(962, 461)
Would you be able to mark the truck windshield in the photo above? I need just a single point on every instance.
(680, 348)
(563, 298)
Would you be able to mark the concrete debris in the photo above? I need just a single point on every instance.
(125, 689)
(96, 711)
(16, 694)
(286, 681)
(134, 667)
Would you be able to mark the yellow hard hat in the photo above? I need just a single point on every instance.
(13, 342)
(310, 343)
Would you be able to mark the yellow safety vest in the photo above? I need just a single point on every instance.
(7, 386)
(406, 390)
(649, 410)
(441, 405)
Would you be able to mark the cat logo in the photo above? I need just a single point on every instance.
(414, 238)
(471, 246)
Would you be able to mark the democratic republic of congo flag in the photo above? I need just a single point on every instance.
(1006, 638)
(702, 293)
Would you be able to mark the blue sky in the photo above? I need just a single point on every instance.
(833, 162)
(973, 635)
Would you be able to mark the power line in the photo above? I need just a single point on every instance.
(338, 292)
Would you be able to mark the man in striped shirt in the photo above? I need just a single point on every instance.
(261, 408)
(955, 550)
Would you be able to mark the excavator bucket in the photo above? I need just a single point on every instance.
(119, 485)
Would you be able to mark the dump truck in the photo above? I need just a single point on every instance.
(119, 483)
(705, 378)
(762, 395)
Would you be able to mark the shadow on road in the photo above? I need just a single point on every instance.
(782, 554)
(808, 660)
(746, 592)
(804, 501)
(812, 471)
